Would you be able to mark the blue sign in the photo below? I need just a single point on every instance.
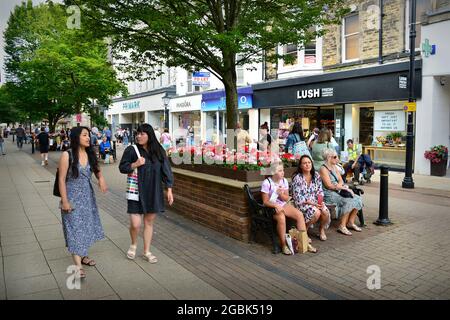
(201, 79)
(131, 105)
(215, 100)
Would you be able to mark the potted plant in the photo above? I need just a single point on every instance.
(397, 137)
(438, 156)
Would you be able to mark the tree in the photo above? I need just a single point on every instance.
(53, 70)
(207, 34)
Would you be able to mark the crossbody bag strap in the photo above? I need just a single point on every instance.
(332, 173)
(137, 153)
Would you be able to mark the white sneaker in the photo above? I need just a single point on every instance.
(42, 163)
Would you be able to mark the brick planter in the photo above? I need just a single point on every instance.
(240, 175)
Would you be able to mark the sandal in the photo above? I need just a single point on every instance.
(87, 261)
(131, 253)
(309, 240)
(354, 227)
(344, 231)
(149, 257)
(323, 237)
(311, 249)
(286, 250)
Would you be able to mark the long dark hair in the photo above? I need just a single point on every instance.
(75, 134)
(299, 169)
(297, 128)
(155, 150)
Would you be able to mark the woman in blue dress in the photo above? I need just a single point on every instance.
(80, 217)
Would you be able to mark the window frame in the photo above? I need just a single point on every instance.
(344, 39)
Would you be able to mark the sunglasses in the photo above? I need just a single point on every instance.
(335, 157)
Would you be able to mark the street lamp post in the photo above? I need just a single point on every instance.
(408, 182)
(166, 101)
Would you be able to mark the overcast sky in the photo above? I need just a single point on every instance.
(6, 6)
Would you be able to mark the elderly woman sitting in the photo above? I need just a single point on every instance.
(348, 204)
(308, 196)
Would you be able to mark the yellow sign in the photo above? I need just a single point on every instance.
(410, 107)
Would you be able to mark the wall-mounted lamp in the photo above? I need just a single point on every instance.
(443, 81)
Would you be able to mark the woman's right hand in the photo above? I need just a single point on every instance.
(66, 207)
(139, 162)
(279, 209)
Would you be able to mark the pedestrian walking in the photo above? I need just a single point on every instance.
(81, 221)
(153, 169)
(166, 139)
(126, 135)
(2, 144)
(20, 135)
(44, 144)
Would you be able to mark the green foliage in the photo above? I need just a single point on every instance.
(205, 34)
(54, 71)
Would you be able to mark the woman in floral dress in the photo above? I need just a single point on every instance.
(307, 189)
(80, 217)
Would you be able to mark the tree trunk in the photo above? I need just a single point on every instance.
(229, 81)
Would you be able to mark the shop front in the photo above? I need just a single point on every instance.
(135, 110)
(186, 119)
(365, 105)
(213, 107)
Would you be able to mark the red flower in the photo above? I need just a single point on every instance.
(235, 168)
(260, 164)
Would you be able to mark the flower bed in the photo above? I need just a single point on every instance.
(249, 165)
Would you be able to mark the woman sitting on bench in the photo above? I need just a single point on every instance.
(308, 196)
(347, 202)
(275, 194)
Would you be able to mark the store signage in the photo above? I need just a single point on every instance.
(201, 79)
(184, 104)
(393, 120)
(131, 105)
(428, 49)
(245, 101)
(410, 107)
(402, 82)
(315, 93)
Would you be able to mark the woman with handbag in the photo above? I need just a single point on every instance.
(80, 217)
(336, 192)
(149, 160)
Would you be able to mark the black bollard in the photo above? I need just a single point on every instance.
(383, 218)
(13, 137)
(32, 145)
(114, 148)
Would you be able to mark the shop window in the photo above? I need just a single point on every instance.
(292, 51)
(351, 36)
(189, 83)
(311, 53)
(422, 7)
(441, 4)
(366, 125)
(239, 71)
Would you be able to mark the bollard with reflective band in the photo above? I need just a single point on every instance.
(383, 217)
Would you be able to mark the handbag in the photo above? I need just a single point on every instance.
(300, 148)
(132, 192)
(56, 192)
(345, 193)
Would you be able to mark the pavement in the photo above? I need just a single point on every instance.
(197, 263)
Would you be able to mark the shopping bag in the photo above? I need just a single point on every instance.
(289, 243)
(132, 192)
(302, 239)
(300, 149)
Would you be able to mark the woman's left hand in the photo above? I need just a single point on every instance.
(170, 197)
(102, 185)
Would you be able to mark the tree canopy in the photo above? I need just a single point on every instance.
(52, 70)
(207, 34)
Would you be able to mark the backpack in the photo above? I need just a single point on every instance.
(56, 192)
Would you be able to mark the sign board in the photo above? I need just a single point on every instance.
(337, 131)
(402, 82)
(201, 79)
(410, 107)
(392, 120)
